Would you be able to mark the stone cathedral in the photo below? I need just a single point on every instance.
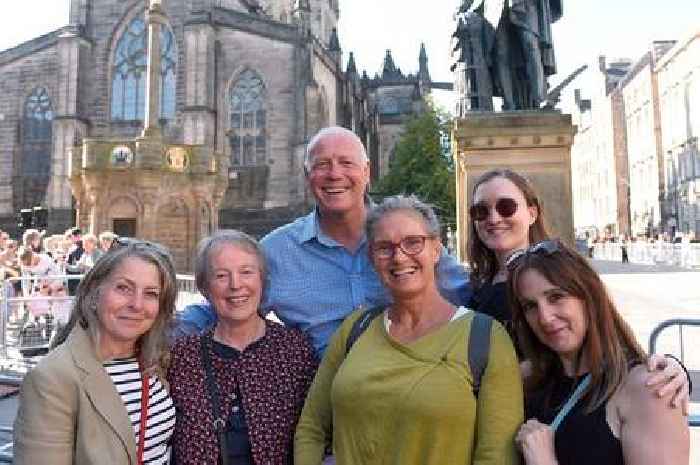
(239, 88)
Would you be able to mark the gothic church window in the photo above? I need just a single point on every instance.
(247, 136)
(129, 72)
(36, 134)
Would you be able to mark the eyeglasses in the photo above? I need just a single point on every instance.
(506, 207)
(409, 245)
(543, 248)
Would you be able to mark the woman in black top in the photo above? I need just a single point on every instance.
(507, 216)
(569, 329)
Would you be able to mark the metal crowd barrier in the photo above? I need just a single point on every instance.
(650, 253)
(693, 420)
(28, 321)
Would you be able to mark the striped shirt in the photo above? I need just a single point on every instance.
(160, 423)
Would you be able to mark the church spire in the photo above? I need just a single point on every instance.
(334, 42)
(423, 72)
(352, 68)
(389, 71)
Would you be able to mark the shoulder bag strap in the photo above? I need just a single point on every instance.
(144, 414)
(479, 347)
(360, 325)
(575, 396)
(219, 421)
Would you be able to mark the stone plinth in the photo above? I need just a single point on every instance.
(532, 143)
(149, 189)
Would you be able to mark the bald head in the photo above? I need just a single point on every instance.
(332, 132)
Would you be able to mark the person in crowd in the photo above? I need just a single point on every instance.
(33, 239)
(61, 304)
(36, 264)
(403, 394)
(507, 216)
(40, 305)
(107, 238)
(319, 268)
(4, 237)
(99, 396)
(585, 361)
(73, 255)
(91, 253)
(9, 262)
(238, 388)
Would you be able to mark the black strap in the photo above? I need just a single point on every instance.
(219, 421)
(479, 347)
(361, 324)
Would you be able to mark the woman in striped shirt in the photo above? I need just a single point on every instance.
(99, 397)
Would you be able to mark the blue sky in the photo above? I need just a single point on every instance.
(616, 28)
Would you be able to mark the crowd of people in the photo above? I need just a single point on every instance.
(390, 352)
(43, 263)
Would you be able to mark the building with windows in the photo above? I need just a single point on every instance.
(599, 170)
(678, 74)
(252, 80)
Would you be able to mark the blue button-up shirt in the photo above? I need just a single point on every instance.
(313, 282)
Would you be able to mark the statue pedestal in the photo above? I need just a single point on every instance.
(536, 144)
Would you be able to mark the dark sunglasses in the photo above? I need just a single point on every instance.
(409, 245)
(505, 207)
(543, 248)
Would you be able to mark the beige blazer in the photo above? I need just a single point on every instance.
(70, 411)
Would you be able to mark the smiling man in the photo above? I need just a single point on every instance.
(318, 266)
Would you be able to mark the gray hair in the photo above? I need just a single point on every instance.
(407, 203)
(153, 346)
(328, 132)
(202, 261)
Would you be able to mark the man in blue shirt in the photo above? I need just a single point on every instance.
(318, 266)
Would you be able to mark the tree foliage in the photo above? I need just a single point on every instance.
(421, 165)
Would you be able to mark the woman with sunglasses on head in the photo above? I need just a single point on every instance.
(403, 392)
(586, 397)
(99, 397)
(507, 216)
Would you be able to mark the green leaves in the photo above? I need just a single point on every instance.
(422, 164)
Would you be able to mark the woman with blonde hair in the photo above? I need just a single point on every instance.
(99, 396)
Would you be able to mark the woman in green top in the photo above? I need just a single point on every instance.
(403, 395)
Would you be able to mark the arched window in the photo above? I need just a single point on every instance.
(36, 134)
(129, 72)
(247, 135)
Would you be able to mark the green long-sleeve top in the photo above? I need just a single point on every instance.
(412, 404)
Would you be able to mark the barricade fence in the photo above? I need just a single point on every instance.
(683, 255)
(33, 308)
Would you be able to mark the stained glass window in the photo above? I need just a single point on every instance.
(247, 135)
(36, 134)
(129, 72)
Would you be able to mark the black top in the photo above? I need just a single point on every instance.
(237, 438)
(582, 439)
(492, 299)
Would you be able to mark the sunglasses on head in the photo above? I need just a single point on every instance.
(120, 242)
(505, 207)
(542, 248)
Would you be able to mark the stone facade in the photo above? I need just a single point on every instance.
(536, 144)
(643, 127)
(250, 79)
(599, 176)
(678, 80)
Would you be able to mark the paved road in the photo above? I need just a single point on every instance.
(644, 294)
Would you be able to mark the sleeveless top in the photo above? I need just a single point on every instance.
(160, 424)
(582, 439)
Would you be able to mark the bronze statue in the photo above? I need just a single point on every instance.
(505, 50)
